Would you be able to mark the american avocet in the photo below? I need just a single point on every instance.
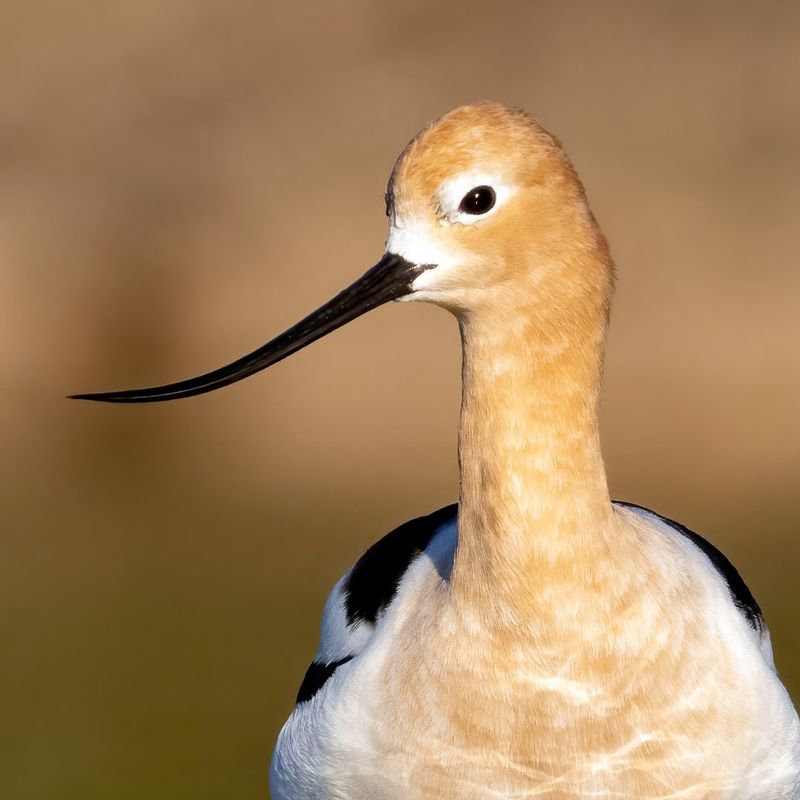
(538, 639)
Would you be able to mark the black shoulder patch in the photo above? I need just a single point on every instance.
(316, 677)
(374, 579)
(740, 594)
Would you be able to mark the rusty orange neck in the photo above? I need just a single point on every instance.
(534, 496)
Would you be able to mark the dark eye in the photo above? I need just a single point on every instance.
(478, 200)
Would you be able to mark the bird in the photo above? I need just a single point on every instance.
(535, 639)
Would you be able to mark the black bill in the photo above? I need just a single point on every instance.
(389, 279)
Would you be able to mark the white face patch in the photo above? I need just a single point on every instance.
(416, 242)
(420, 242)
(424, 239)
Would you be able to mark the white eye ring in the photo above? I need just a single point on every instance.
(453, 193)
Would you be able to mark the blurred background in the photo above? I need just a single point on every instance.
(181, 180)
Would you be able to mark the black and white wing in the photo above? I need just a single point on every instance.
(360, 598)
(740, 594)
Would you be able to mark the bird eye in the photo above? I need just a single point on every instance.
(478, 200)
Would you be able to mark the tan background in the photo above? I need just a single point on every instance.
(181, 180)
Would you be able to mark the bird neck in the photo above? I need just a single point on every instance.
(534, 497)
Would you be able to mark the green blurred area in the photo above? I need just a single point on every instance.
(182, 180)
